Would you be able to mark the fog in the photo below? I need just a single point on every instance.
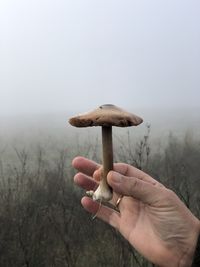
(62, 57)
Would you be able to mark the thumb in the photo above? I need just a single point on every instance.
(132, 186)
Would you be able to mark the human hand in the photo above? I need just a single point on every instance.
(151, 217)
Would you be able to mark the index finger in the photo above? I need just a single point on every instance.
(85, 165)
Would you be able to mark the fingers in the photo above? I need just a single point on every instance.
(85, 181)
(88, 167)
(135, 187)
(130, 171)
(88, 184)
(84, 165)
(125, 180)
(104, 213)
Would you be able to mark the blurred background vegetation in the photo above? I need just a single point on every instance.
(42, 223)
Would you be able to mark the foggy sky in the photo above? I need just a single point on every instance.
(74, 55)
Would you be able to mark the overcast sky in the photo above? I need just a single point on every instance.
(65, 55)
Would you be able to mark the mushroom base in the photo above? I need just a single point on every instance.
(103, 193)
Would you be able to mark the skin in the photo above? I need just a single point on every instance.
(151, 217)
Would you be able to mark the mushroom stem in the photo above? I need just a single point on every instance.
(107, 152)
(104, 191)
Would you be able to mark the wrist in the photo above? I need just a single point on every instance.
(184, 257)
(196, 257)
(188, 258)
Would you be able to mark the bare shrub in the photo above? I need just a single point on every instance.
(42, 222)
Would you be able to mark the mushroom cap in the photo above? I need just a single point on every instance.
(106, 115)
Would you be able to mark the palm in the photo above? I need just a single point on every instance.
(136, 226)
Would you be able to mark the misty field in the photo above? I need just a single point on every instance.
(42, 223)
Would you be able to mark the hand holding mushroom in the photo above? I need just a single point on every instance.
(151, 217)
(105, 116)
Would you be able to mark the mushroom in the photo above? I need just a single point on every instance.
(105, 116)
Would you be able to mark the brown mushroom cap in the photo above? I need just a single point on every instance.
(106, 115)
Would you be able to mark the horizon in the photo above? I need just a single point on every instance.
(162, 123)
